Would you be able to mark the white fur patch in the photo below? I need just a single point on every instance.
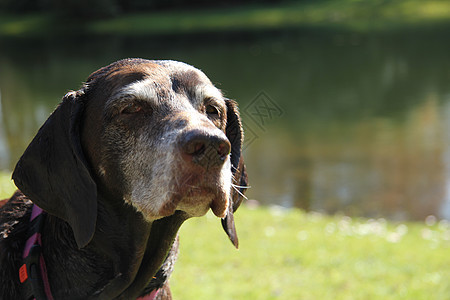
(143, 89)
(151, 177)
(207, 91)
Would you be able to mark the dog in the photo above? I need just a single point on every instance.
(110, 177)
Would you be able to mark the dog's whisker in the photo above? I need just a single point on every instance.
(240, 193)
(241, 187)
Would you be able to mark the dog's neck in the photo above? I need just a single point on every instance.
(123, 256)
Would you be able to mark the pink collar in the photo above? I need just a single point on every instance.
(150, 296)
(33, 273)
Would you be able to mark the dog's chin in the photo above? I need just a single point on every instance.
(195, 207)
(199, 191)
(197, 204)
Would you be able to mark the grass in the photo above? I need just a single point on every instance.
(7, 186)
(355, 15)
(345, 14)
(290, 254)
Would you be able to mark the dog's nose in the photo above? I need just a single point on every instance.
(204, 149)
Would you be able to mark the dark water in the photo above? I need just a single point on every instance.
(335, 122)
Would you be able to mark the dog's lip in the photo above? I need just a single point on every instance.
(203, 196)
(219, 206)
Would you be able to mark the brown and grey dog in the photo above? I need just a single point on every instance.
(118, 167)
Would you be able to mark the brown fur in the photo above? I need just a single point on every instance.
(119, 166)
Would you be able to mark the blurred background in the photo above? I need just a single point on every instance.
(346, 103)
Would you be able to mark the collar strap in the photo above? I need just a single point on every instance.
(33, 273)
(150, 296)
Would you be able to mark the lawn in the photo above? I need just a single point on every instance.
(341, 14)
(355, 15)
(291, 254)
(7, 187)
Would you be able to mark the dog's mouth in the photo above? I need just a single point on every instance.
(197, 193)
(197, 200)
(182, 186)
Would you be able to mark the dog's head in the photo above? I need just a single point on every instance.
(155, 134)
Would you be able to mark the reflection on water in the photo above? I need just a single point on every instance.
(374, 167)
(445, 209)
(363, 125)
(4, 151)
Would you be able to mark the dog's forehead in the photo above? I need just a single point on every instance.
(158, 79)
(187, 79)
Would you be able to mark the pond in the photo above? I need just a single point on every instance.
(335, 122)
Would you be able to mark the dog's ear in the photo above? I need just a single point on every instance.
(235, 135)
(54, 173)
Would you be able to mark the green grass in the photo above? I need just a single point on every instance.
(344, 14)
(7, 186)
(355, 15)
(290, 254)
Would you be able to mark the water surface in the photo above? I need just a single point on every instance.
(335, 121)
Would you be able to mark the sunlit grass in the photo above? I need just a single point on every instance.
(7, 186)
(11, 25)
(344, 14)
(290, 254)
(356, 15)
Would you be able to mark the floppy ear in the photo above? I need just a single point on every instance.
(53, 171)
(235, 135)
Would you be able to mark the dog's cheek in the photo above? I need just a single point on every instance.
(148, 169)
(112, 149)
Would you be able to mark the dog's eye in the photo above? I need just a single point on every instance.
(211, 110)
(131, 108)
